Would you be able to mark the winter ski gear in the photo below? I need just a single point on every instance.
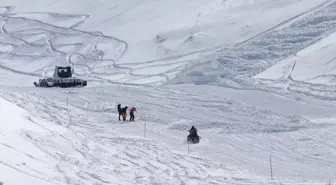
(119, 111)
(193, 131)
(123, 112)
(124, 115)
(133, 109)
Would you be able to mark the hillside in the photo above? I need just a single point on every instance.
(256, 78)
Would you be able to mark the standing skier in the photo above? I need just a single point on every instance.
(119, 111)
(132, 110)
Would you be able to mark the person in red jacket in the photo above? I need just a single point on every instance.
(132, 110)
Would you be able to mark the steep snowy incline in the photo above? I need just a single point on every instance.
(236, 65)
(87, 150)
(21, 161)
(315, 64)
(240, 130)
(310, 71)
(125, 48)
(150, 25)
(137, 42)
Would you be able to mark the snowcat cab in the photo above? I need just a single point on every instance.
(63, 72)
(62, 78)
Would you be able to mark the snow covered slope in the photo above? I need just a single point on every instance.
(255, 78)
(239, 134)
(38, 152)
(22, 161)
(136, 41)
(314, 64)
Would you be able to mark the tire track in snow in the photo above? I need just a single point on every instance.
(22, 152)
(219, 49)
(162, 77)
(92, 34)
(26, 173)
(121, 13)
(54, 31)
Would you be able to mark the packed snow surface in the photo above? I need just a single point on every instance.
(256, 78)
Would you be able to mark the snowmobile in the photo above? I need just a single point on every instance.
(193, 139)
(62, 78)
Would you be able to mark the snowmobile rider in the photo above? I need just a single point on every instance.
(193, 132)
(119, 111)
(133, 109)
(123, 112)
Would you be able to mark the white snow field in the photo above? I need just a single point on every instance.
(255, 77)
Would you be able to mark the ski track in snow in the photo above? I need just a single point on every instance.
(92, 151)
(232, 119)
(235, 66)
(89, 60)
(45, 45)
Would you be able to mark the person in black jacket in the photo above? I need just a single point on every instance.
(193, 132)
(119, 111)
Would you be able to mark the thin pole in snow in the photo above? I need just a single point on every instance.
(68, 111)
(188, 147)
(271, 168)
(145, 127)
